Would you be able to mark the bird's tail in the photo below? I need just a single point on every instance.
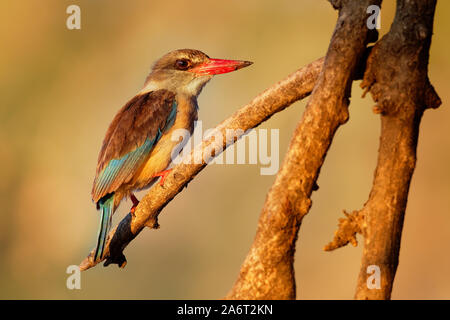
(106, 206)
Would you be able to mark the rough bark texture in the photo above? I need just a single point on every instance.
(268, 271)
(396, 75)
(295, 87)
(397, 78)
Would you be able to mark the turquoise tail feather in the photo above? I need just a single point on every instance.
(106, 206)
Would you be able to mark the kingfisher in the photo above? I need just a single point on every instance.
(137, 148)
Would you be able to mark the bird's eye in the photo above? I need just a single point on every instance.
(182, 64)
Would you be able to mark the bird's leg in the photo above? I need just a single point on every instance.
(135, 203)
(163, 175)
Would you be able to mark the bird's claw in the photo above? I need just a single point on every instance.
(163, 175)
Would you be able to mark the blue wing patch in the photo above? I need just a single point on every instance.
(119, 171)
(172, 116)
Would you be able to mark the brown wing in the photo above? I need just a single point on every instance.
(130, 137)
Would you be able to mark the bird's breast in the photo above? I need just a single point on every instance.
(162, 153)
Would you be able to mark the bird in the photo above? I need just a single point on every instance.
(137, 148)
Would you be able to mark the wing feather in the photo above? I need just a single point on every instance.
(131, 136)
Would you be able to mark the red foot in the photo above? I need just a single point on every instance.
(135, 203)
(163, 175)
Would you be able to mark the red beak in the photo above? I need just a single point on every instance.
(218, 66)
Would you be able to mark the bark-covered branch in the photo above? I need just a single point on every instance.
(397, 78)
(396, 75)
(282, 94)
(268, 272)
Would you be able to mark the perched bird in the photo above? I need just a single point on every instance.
(138, 147)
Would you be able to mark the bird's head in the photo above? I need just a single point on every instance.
(188, 70)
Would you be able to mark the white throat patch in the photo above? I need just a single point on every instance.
(196, 85)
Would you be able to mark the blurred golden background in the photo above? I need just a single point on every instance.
(61, 88)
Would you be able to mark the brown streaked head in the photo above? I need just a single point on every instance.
(189, 70)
